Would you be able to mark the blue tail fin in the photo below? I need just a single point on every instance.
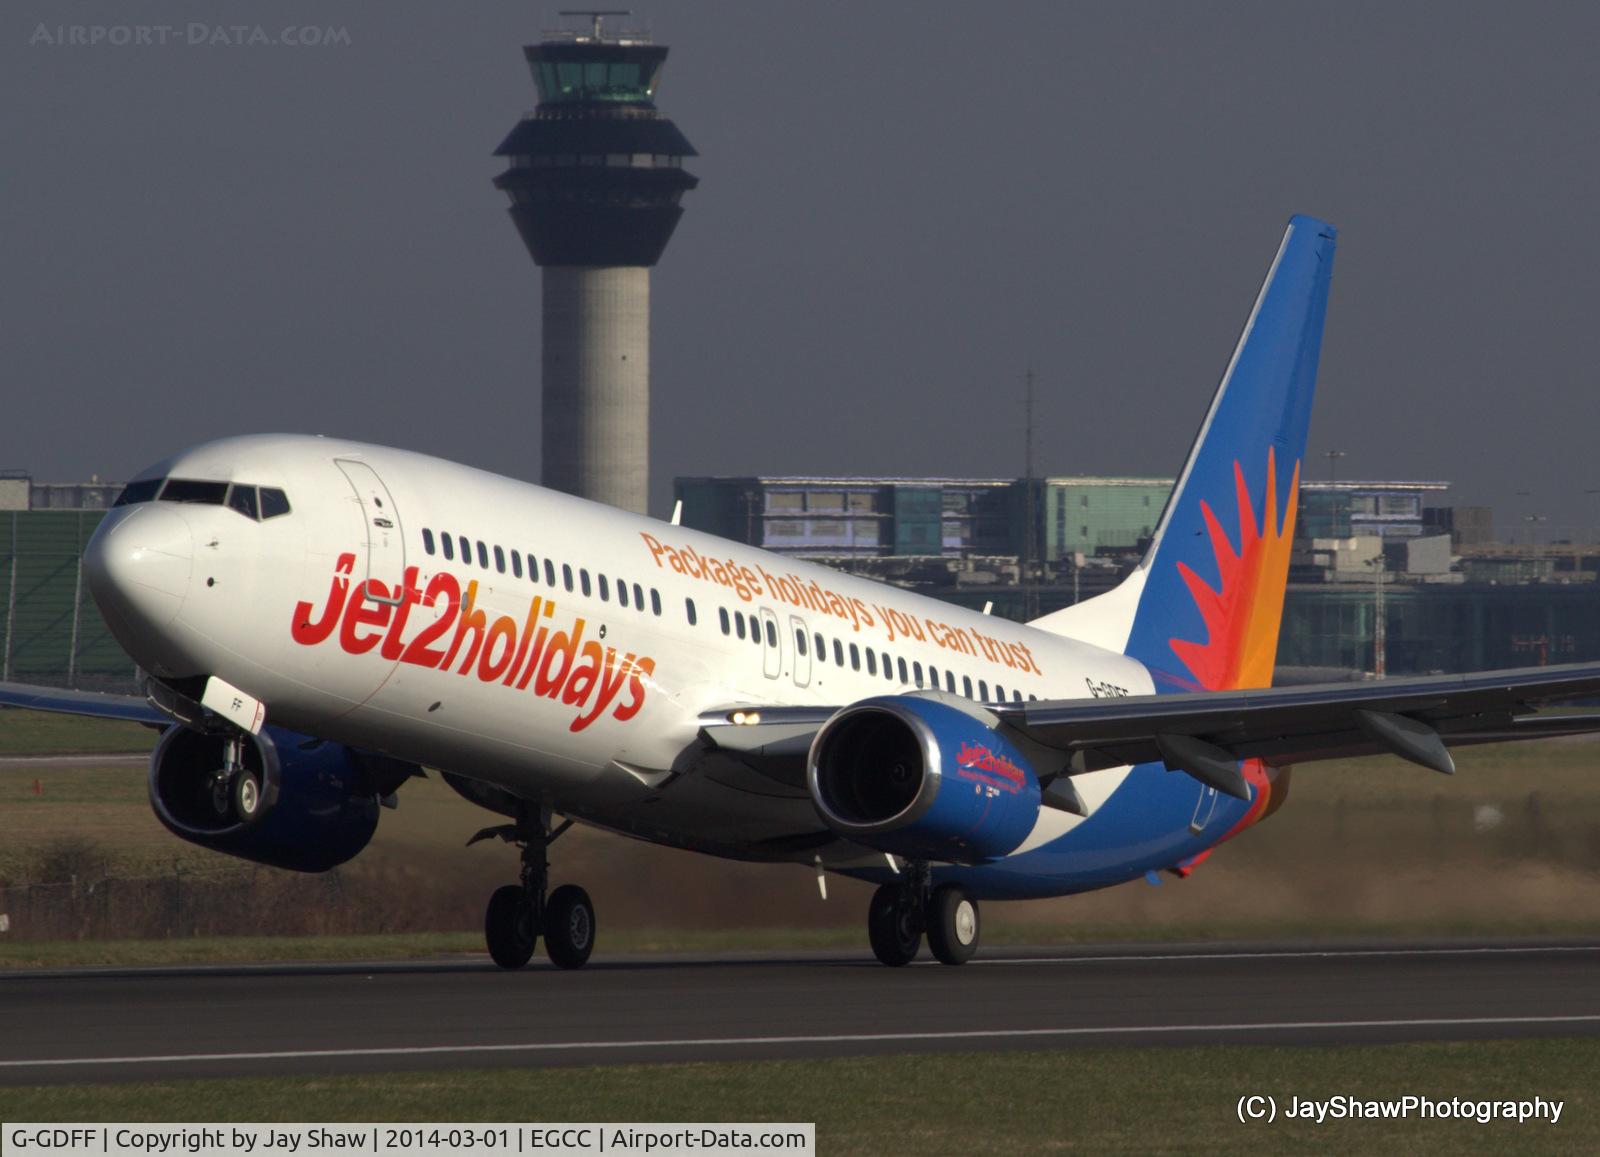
(1203, 609)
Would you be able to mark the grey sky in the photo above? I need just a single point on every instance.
(902, 206)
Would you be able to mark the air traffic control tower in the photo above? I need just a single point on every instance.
(595, 179)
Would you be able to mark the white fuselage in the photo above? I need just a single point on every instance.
(568, 657)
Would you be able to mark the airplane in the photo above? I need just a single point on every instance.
(319, 620)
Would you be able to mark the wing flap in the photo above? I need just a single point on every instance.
(1303, 724)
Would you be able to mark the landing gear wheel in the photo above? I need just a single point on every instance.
(894, 926)
(246, 796)
(508, 927)
(952, 925)
(568, 927)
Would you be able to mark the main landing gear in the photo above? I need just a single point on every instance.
(236, 789)
(902, 911)
(519, 914)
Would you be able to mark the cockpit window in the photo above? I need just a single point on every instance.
(141, 491)
(243, 499)
(273, 502)
(194, 490)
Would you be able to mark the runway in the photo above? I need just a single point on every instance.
(141, 1024)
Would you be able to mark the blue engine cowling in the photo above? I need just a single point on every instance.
(319, 799)
(920, 778)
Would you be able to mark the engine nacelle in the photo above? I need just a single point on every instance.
(319, 800)
(920, 778)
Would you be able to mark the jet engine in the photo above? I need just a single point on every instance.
(920, 778)
(318, 802)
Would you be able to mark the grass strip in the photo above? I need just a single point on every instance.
(1129, 1100)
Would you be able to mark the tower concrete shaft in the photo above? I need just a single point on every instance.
(596, 370)
(595, 178)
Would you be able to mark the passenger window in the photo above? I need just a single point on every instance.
(838, 653)
(622, 592)
(549, 573)
(902, 664)
(855, 657)
(583, 581)
(966, 686)
(755, 631)
(638, 597)
(483, 555)
(449, 546)
(722, 615)
(243, 499)
(772, 634)
(195, 491)
(872, 661)
(605, 589)
(949, 682)
(822, 648)
(273, 502)
(499, 560)
(983, 691)
(933, 677)
(427, 540)
(799, 642)
(655, 602)
(142, 491)
(566, 576)
(888, 666)
(533, 568)
(688, 609)
(1016, 696)
(516, 565)
(999, 693)
(466, 550)
(916, 669)
(738, 623)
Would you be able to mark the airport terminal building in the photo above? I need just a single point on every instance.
(1453, 599)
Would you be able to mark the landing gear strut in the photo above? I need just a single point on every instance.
(519, 914)
(235, 788)
(903, 910)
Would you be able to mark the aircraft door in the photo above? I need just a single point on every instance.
(771, 645)
(802, 651)
(386, 544)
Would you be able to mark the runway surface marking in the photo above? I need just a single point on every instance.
(1285, 954)
(474, 960)
(838, 1038)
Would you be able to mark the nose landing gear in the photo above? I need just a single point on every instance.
(902, 911)
(519, 914)
(236, 788)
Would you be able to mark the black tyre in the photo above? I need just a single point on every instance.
(568, 927)
(952, 925)
(894, 926)
(245, 793)
(508, 927)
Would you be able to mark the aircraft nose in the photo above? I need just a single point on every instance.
(138, 565)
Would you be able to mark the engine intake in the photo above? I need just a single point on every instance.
(319, 800)
(917, 777)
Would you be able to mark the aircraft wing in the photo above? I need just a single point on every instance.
(133, 708)
(1415, 718)
(1207, 733)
